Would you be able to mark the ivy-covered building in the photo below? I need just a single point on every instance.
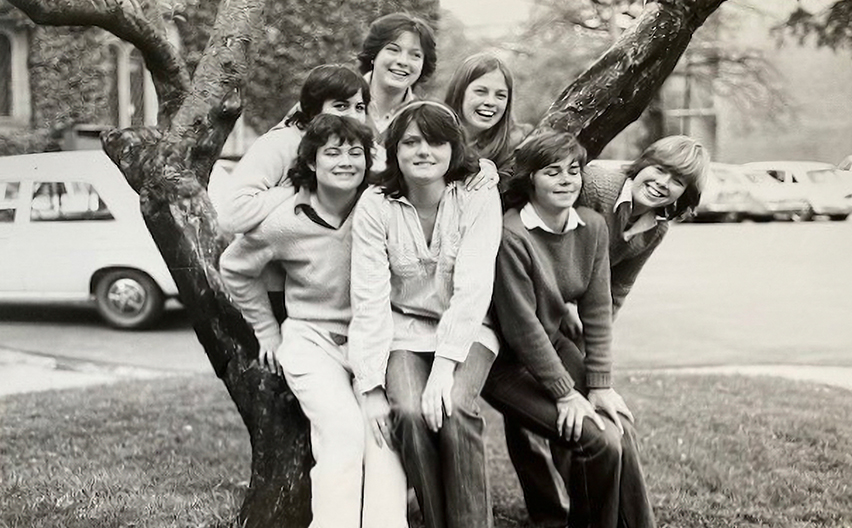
(60, 85)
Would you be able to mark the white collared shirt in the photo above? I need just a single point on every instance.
(645, 222)
(531, 220)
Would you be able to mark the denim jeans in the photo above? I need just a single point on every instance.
(604, 479)
(447, 469)
(354, 482)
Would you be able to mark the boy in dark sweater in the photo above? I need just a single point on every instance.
(637, 204)
(553, 255)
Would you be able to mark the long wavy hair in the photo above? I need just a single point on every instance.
(438, 124)
(496, 142)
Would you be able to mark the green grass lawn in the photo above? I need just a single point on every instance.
(718, 452)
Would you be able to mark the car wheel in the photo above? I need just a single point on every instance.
(838, 217)
(806, 216)
(129, 299)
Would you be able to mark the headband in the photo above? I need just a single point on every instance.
(424, 102)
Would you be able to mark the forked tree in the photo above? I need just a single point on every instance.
(169, 166)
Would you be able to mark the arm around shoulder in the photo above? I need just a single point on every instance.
(259, 182)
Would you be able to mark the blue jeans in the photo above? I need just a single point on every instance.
(447, 469)
(602, 472)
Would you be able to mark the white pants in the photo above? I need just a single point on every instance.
(354, 483)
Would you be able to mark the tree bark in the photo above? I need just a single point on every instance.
(613, 92)
(169, 167)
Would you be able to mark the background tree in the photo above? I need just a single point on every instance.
(831, 25)
(169, 166)
(568, 35)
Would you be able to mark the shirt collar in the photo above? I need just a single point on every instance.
(380, 123)
(303, 204)
(626, 195)
(531, 220)
(645, 222)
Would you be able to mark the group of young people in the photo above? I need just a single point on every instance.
(413, 286)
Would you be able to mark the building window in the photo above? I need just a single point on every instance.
(132, 98)
(5, 76)
(14, 78)
(114, 97)
(137, 88)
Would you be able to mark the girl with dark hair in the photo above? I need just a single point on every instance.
(309, 235)
(259, 182)
(481, 92)
(398, 53)
(549, 381)
(423, 250)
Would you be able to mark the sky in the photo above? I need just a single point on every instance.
(490, 16)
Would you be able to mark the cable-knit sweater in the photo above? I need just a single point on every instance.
(538, 273)
(600, 192)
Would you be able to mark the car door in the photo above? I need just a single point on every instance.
(69, 228)
(11, 270)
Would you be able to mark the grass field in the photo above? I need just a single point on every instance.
(718, 452)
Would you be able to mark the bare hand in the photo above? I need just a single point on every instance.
(377, 412)
(486, 177)
(437, 394)
(571, 326)
(573, 408)
(266, 356)
(612, 404)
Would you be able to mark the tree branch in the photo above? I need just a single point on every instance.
(614, 91)
(138, 22)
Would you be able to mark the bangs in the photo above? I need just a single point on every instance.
(436, 125)
(345, 86)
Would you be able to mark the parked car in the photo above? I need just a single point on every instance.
(71, 230)
(823, 185)
(735, 193)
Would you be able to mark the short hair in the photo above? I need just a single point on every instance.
(387, 28)
(544, 147)
(327, 82)
(683, 157)
(494, 143)
(438, 124)
(318, 133)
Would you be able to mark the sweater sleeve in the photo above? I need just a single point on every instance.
(595, 309)
(259, 182)
(473, 275)
(371, 328)
(241, 266)
(624, 274)
(515, 305)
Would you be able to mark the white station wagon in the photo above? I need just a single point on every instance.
(71, 231)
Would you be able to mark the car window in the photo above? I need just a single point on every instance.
(778, 175)
(67, 201)
(8, 198)
(759, 177)
(824, 176)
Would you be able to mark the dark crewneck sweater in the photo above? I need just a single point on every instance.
(537, 274)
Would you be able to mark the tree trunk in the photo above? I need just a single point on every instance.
(169, 167)
(170, 170)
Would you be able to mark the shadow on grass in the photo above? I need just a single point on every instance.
(718, 452)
